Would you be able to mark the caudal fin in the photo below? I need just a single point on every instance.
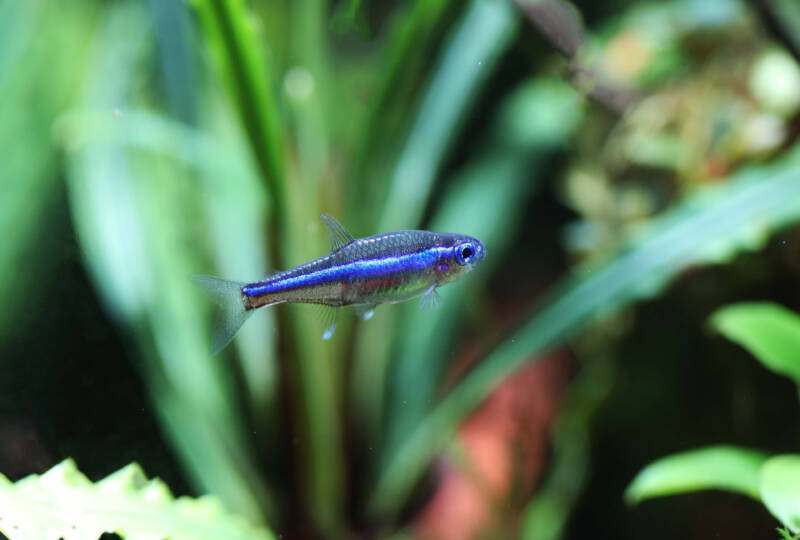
(230, 314)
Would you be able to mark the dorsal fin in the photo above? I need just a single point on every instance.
(339, 235)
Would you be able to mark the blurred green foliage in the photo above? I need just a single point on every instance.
(206, 137)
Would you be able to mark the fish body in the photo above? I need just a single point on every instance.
(365, 272)
(381, 269)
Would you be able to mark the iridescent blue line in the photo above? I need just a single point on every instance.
(363, 268)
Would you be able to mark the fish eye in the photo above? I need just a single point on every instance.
(465, 253)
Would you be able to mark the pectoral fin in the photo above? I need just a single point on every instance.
(430, 300)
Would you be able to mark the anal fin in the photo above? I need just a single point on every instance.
(365, 311)
(430, 300)
(327, 316)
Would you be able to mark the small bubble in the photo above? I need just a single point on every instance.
(117, 113)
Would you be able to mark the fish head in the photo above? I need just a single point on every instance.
(463, 254)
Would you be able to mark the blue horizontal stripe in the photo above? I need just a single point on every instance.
(360, 268)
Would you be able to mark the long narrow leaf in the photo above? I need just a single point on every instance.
(480, 38)
(535, 119)
(411, 31)
(41, 72)
(240, 60)
(711, 226)
(138, 258)
(236, 206)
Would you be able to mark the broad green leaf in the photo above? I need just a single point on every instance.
(716, 467)
(769, 331)
(63, 503)
(710, 226)
(779, 487)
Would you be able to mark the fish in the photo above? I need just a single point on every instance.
(363, 273)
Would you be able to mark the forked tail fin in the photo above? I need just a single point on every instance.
(230, 314)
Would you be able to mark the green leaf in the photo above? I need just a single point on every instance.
(176, 56)
(232, 36)
(42, 72)
(243, 67)
(411, 32)
(350, 15)
(477, 43)
(535, 119)
(63, 503)
(780, 489)
(710, 226)
(769, 331)
(716, 467)
(236, 207)
(124, 205)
